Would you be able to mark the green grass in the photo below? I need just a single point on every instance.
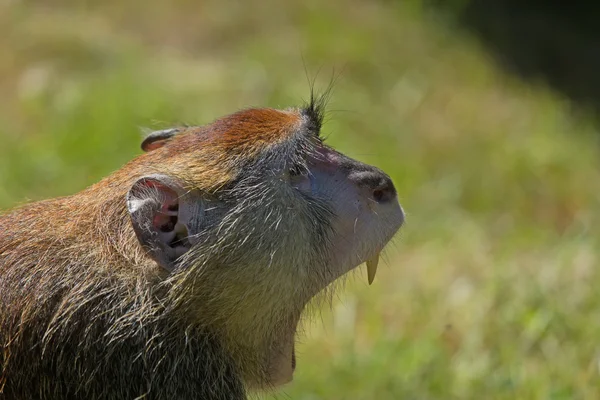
(489, 292)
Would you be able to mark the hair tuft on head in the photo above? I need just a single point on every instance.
(316, 107)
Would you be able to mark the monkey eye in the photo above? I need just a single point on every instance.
(299, 177)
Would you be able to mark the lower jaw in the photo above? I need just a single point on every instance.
(282, 361)
(276, 360)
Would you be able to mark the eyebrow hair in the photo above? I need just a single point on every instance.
(314, 110)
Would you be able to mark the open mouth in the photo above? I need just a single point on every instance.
(374, 237)
(285, 365)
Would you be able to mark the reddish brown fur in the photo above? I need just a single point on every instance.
(250, 130)
(244, 134)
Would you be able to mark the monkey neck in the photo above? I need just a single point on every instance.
(257, 327)
(262, 344)
(91, 237)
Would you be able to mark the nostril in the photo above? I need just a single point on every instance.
(375, 184)
(378, 195)
(385, 191)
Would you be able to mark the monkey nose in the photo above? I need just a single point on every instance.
(377, 184)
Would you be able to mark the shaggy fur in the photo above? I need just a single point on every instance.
(85, 313)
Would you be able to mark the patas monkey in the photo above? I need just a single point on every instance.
(184, 274)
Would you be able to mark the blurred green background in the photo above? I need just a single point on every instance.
(491, 289)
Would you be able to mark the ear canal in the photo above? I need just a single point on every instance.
(158, 139)
(154, 206)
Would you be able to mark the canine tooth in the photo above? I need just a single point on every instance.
(372, 267)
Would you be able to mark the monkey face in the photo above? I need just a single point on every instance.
(365, 212)
(251, 217)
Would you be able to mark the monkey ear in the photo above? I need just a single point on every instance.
(157, 139)
(162, 213)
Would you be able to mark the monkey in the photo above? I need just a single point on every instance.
(185, 274)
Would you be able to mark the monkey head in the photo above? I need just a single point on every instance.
(248, 218)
